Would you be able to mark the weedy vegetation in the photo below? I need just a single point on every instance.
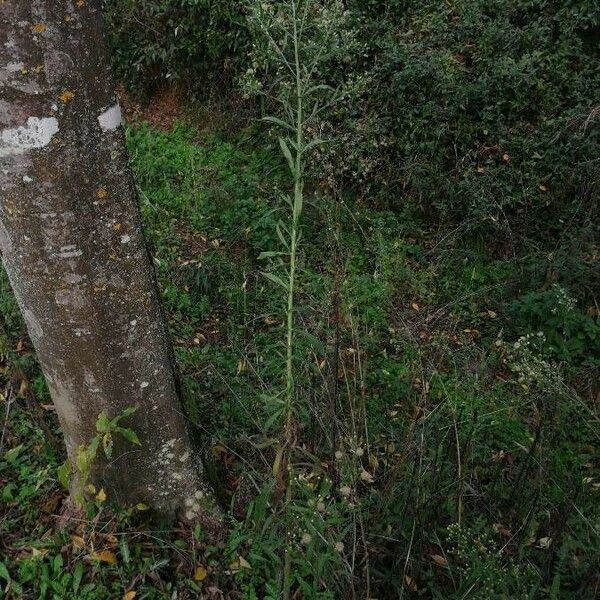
(383, 295)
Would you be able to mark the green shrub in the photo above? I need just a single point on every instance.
(191, 42)
(569, 334)
(470, 109)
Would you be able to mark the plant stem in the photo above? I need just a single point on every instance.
(296, 212)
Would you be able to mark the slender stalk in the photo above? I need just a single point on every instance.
(297, 209)
(294, 239)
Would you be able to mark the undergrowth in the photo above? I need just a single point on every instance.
(447, 443)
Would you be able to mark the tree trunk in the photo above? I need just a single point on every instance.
(72, 244)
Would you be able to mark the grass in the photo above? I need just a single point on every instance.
(440, 453)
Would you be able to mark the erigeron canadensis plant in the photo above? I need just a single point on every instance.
(526, 359)
(295, 38)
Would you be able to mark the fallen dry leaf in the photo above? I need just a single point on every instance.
(439, 560)
(104, 556)
(78, 541)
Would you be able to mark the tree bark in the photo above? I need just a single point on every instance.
(72, 244)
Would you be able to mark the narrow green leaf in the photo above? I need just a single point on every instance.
(281, 230)
(275, 279)
(129, 411)
(77, 576)
(312, 144)
(269, 254)
(288, 155)
(129, 435)
(269, 422)
(13, 453)
(277, 121)
(124, 548)
(102, 423)
(316, 88)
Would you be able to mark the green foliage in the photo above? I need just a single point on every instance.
(436, 422)
(443, 447)
(478, 568)
(86, 455)
(461, 101)
(569, 334)
(190, 42)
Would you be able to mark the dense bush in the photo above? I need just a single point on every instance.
(476, 110)
(483, 110)
(196, 43)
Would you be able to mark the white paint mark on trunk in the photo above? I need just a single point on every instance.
(36, 134)
(110, 119)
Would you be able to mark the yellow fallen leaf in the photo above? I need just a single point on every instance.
(78, 541)
(439, 560)
(141, 506)
(234, 566)
(101, 495)
(200, 573)
(104, 556)
(129, 595)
